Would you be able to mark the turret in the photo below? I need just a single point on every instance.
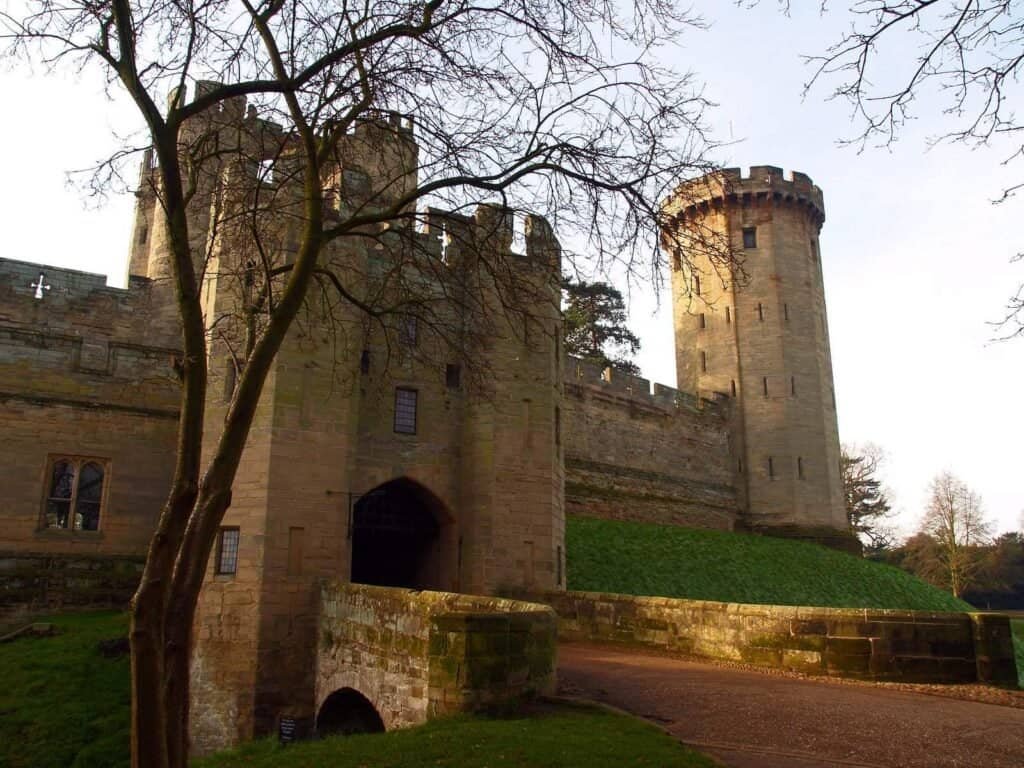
(757, 331)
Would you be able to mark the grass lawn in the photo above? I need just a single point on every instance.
(666, 561)
(559, 737)
(63, 705)
(1017, 625)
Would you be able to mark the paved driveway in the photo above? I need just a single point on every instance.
(752, 720)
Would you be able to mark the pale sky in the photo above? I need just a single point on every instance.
(916, 258)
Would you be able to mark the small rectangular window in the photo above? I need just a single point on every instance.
(750, 237)
(785, 312)
(792, 385)
(728, 315)
(732, 385)
(739, 466)
(696, 284)
(364, 361)
(405, 411)
(704, 361)
(453, 375)
(409, 331)
(764, 384)
(296, 538)
(143, 234)
(771, 467)
(703, 321)
(760, 312)
(230, 379)
(227, 551)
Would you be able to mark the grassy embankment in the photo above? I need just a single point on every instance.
(1018, 646)
(64, 705)
(644, 559)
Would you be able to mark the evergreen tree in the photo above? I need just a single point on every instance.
(867, 502)
(595, 326)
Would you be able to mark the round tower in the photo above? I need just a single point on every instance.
(756, 329)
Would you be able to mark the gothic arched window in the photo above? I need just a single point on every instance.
(74, 496)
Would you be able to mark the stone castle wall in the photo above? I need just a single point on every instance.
(658, 456)
(85, 372)
(910, 646)
(418, 655)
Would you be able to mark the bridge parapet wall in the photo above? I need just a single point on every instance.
(419, 655)
(907, 646)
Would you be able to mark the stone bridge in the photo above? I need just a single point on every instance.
(389, 658)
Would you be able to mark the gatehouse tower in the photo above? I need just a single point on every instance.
(750, 322)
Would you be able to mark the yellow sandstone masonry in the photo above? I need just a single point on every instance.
(384, 452)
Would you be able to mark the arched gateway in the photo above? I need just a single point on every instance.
(398, 537)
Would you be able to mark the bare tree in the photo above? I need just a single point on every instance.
(867, 500)
(544, 105)
(969, 52)
(954, 518)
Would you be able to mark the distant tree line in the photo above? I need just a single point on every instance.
(953, 548)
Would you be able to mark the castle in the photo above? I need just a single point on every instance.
(374, 455)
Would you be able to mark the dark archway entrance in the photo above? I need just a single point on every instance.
(347, 711)
(396, 536)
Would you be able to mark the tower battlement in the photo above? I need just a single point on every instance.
(761, 182)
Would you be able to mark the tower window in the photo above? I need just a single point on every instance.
(728, 315)
(800, 467)
(703, 361)
(785, 312)
(409, 331)
(814, 252)
(230, 379)
(364, 361)
(792, 385)
(696, 284)
(453, 375)
(764, 385)
(227, 551)
(703, 321)
(405, 411)
(732, 385)
(750, 237)
(739, 466)
(771, 467)
(760, 311)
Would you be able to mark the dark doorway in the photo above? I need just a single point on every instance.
(345, 712)
(396, 536)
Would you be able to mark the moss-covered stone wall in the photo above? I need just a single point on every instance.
(912, 646)
(31, 584)
(417, 655)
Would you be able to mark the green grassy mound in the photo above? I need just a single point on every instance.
(64, 705)
(667, 561)
(559, 737)
(1017, 625)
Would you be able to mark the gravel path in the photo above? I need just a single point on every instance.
(753, 719)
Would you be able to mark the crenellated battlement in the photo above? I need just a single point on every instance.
(761, 182)
(638, 389)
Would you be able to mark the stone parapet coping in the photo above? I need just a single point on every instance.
(871, 643)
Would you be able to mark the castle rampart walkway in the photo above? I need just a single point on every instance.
(749, 719)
